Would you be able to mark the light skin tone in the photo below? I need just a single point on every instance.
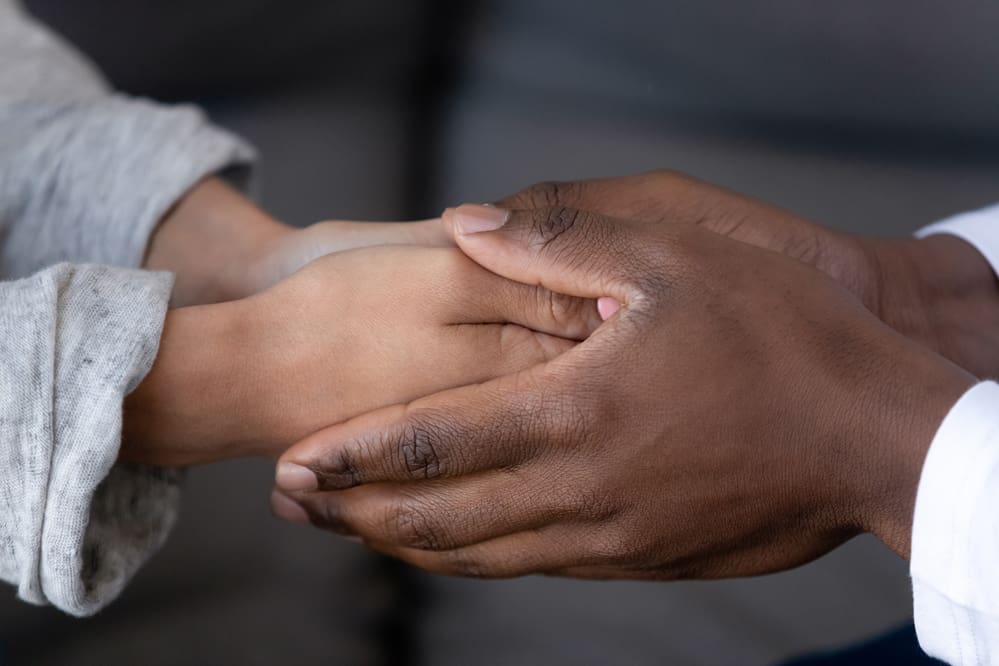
(763, 390)
(346, 333)
(222, 247)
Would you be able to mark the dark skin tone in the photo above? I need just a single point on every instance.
(939, 291)
(742, 413)
(274, 343)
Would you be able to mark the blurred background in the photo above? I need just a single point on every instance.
(876, 117)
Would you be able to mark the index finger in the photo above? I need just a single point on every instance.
(644, 197)
(456, 432)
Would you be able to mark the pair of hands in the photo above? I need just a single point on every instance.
(762, 390)
(282, 332)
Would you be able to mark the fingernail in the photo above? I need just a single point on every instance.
(607, 307)
(475, 218)
(355, 539)
(288, 509)
(295, 478)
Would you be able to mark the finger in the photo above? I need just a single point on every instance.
(428, 232)
(665, 196)
(646, 197)
(524, 553)
(346, 235)
(562, 249)
(467, 294)
(652, 197)
(288, 509)
(499, 424)
(436, 515)
(598, 572)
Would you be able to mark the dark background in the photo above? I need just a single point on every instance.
(873, 117)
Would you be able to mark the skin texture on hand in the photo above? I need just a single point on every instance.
(938, 291)
(350, 332)
(222, 247)
(741, 413)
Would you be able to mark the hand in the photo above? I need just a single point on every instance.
(938, 291)
(742, 413)
(222, 247)
(350, 332)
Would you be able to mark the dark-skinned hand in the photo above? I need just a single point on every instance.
(741, 413)
(939, 291)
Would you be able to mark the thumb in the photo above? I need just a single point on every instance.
(568, 251)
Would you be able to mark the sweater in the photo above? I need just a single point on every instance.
(86, 174)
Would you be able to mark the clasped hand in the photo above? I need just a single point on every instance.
(760, 392)
(364, 326)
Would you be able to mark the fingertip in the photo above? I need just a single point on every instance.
(286, 508)
(607, 306)
(292, 477)
(469, 219)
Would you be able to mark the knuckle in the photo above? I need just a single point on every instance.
(330, 514)
(612, 544)
(667, 176)
(412, 525)
(651, 284)
(338, 469)
(463, 562)
(550, 224)
(561, 310)
(592, 502)
(550, 194)
(422, 451)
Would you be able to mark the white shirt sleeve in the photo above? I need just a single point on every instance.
(955, 533)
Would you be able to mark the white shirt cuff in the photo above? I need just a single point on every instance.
(955, 534)
(980, 228)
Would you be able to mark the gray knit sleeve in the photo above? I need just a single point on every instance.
(85, 176)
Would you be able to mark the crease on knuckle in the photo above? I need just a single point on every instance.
(612, 543)
(463, 562)
(338, 469)
(550, 194)
(413, 526)
(422, 451)
(550, 224)
(329, 513)
(566, 313)
(591, 501)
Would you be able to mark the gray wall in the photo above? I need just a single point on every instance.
(873, 117)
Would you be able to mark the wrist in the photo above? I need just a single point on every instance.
(941, 292)
(210, 239)
(917, 392)
(191, 408)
